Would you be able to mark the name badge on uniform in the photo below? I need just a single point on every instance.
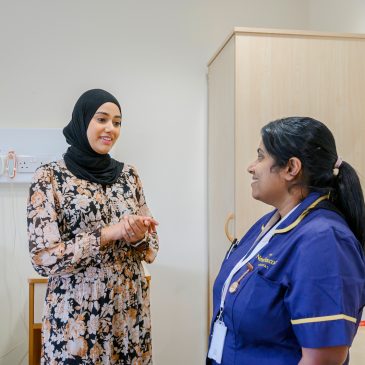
(216, 345)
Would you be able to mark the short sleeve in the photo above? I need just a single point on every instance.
(326, 289)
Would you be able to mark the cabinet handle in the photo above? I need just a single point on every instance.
(229, 218)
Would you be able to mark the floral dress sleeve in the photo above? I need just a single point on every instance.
(149, 247)
(50, 255)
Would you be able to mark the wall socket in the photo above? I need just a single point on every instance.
(33, 147)
(26, 164)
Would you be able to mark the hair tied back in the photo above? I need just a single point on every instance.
(337, 165)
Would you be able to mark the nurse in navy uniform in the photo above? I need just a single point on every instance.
(292, 290)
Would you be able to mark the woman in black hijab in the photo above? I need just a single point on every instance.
(89, 230)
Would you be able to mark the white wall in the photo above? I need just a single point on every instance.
(152, 55)
(337, 15)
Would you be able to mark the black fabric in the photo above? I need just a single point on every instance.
(80, 158)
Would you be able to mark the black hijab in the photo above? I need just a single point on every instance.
(80, 158)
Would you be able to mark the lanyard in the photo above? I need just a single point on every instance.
(260, 242)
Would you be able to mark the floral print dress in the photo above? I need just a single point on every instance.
(97, 302)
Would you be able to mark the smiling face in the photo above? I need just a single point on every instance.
(269, 183)
(104, 128)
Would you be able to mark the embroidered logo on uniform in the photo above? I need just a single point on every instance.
(265, 261)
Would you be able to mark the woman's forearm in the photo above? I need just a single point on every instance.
(335, 355)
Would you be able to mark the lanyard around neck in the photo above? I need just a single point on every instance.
(260, 242)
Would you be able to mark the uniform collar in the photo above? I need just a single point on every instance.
(299, 213)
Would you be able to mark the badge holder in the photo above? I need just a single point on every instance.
(217, 343)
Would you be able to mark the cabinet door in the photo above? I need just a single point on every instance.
(291, 75)
(221, 141)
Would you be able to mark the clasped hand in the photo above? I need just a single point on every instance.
(131, 228)
(134, 227)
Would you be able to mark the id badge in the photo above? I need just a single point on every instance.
(216, 345)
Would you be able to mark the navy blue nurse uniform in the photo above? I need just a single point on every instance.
(306, 289)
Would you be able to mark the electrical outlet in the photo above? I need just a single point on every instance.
(27, 164)
(33, 147)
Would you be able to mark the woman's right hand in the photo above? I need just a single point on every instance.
(131, 228)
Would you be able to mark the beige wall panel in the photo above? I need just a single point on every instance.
(283, 75)
(357, 350)
(221, 156)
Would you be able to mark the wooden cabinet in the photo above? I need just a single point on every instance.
(37, 293)
(261, 75)
(357, 351)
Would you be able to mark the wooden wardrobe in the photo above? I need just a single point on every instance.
(260, 75)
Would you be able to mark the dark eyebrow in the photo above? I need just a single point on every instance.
(104, 113)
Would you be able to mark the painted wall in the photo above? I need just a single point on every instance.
(337, 15)
(152, 55)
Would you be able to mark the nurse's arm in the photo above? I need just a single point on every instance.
(324, 356)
